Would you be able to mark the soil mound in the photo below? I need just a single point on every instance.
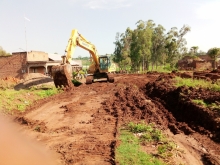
(179, 101)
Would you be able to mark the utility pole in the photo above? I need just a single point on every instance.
(25, 32)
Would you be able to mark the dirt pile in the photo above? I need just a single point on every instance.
(129, 104)
(179, 102)
(208, 75)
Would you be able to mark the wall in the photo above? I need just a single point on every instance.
(13, 65)
(37, 56)
(37, 70)
(202, 65)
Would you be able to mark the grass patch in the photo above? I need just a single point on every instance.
(129, 152)
(205, 104)
(18, 100)
(197, 83)
(136, 135)
(46, 93)
(200, 102)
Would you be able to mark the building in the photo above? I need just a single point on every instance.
(20, 63)
(201, 62)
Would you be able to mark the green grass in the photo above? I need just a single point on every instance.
(18, 100)
(197, 83)
(150, 133)
(139, 127)
(162, 69)
(205, 104)
(200, 102)
(46, 93)
(136, 135)
(129, 152)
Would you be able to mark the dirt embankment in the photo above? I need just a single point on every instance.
(81, 125)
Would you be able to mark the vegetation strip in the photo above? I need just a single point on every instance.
(19, 100)
(134, 136)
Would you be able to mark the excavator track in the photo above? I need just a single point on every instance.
(62, 76)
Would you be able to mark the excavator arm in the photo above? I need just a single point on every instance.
(77, 39)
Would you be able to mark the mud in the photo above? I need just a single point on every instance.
(81, 125)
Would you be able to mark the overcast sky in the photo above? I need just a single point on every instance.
(51, 22)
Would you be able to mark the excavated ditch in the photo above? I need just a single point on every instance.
(178, 101)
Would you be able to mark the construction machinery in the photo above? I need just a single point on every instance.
(101, 67)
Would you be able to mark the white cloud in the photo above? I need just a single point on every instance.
(209, 10)
(104, 4)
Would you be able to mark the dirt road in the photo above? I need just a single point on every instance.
(81, 125)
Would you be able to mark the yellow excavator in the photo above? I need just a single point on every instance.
(101, 67)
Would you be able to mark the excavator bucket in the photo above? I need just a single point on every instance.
(62, 76)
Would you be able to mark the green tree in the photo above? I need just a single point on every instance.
(175, 44)
(126, 41)
(118, 48)
(122, 49)
(142, 44)
(3, 52)
(158, 46)
(214, 53)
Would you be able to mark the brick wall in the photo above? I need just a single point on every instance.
(13, 66)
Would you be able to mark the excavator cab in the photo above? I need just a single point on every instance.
(103, 71)
(104, 62)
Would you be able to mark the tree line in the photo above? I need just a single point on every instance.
(149, 45)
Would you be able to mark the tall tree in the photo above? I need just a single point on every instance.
(175, 44)
(122, 49)
(126, 40)
(214, 53)
(158, 46)
(142, 43)
(118, 48)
